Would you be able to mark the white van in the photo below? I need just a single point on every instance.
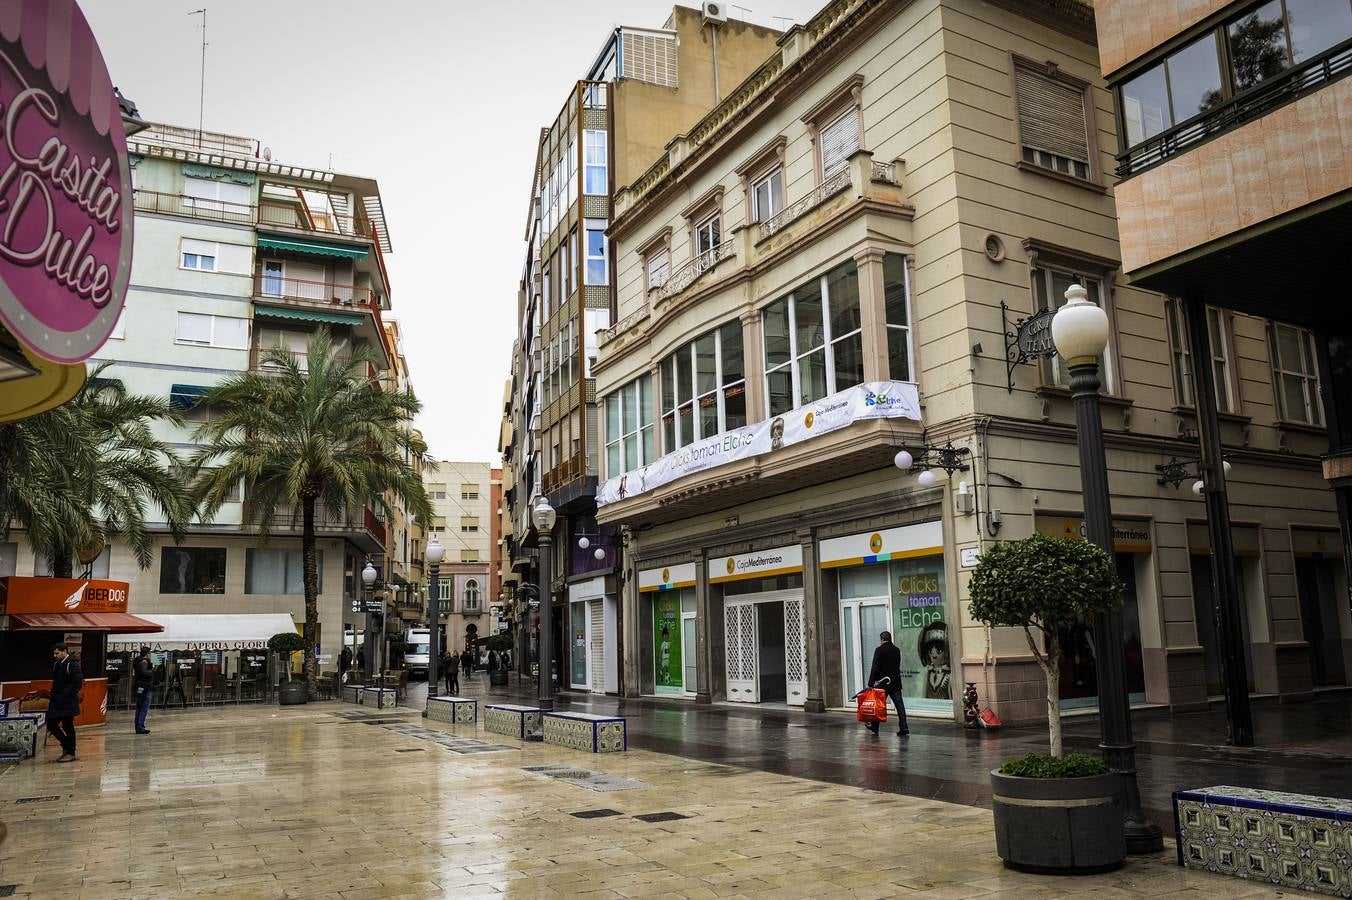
(417, 642)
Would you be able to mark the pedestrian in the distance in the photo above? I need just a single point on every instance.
(361, 660)
(64, 706)
(452, 672)
(887, 665)
(143, 683)
(467, 660)
(344, 660)
(492, 660)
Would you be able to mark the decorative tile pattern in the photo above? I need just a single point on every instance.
(352, 693)
(508, 719)
(453, 710)
(378, 698)
(20, 732)
(1294, 841)
(591, 734)
(6, 704)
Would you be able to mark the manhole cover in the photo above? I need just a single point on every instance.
(595, 813)
(38, 799)
(661, 817)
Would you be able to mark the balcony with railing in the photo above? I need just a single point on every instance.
(365, 531)
(299, 217)
(283, 216)
(694, 268)
(837, 183)
(193, 207)
(300, 292)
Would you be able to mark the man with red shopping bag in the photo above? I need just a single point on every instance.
(885, 673)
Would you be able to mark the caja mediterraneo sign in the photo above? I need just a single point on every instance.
(65, 186)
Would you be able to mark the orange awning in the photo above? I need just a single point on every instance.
(117, 623)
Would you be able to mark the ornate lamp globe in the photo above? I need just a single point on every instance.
(927, 479)
(583, 543)
(1080, 328)
(543, 515)
(435, 552)
(903, 460)
(368, 575)
(599, 553)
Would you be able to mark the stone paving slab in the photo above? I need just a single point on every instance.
(292, 802)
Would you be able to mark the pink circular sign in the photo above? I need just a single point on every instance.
(65, 187)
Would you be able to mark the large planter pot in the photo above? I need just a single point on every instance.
(1059, 825)
(497, 679)
(292, 694)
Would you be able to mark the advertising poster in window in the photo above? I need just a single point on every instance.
(921, 632)
(667, 642)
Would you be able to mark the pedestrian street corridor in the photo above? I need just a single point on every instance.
(334, 800)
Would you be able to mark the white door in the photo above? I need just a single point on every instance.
(861, 622)
(795, 652)
(743, 660)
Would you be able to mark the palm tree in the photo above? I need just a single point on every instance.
(297, 436)
(88, 469)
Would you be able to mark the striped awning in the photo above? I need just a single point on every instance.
(320, 248)
(301, 314)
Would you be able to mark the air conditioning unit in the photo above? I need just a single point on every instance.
(715, 12)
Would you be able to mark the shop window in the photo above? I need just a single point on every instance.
(1219, 338)
(1053, 128)
(704, 387)
(674, 658)
(629, 427)
(813, 341)
(268, 571)
(192, 570)
(897, 300)
(1296, 374)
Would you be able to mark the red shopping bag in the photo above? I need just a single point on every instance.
(872, 705)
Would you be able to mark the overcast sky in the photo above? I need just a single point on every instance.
(439, 100)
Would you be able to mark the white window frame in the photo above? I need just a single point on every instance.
(469, 491)
(670, 371)
(1313, 412)
(212, 200)
(628, 397)
(709, 233)
(1054, 370)
(796, 355)
(588, 226)
(197, 262)
(908, 328)
(836, 166)
(212, 340)
(472, 595)
(774, 195)
(280, 276)
(443, 591)
(595, 141)
(1185, 378)
(469, 554)
(657, 265)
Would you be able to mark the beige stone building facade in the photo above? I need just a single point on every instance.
(461, 494)
(891, 191)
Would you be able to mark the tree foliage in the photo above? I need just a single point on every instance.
(326, 437)
(1043, 584)
(89, 469)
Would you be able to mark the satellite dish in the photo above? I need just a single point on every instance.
(267, 154)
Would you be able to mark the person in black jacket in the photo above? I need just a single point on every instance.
(143, 684)
(887, 665)
(64, 706)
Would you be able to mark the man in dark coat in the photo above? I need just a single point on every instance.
(143, 683)
(64, 706)
(887, 665)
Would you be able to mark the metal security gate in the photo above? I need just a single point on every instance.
(597, 638)
(795, 652)
(739, 628)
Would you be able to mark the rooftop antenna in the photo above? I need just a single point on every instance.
(202, 94)
(781, 20)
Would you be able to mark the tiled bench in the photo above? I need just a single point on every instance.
(1291, 840)
(453, 710)
(20, 732)
(352, 693)
(515, 721)
(582, 731)
(6, 704)
(379, 698)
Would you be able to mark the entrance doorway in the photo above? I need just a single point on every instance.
(861, 621)
(766, 658)
(1208, 631)
(1317, 585)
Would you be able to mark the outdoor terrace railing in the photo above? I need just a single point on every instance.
(295, 216)
(605, 336)
(327, 293)
(800, 207)
(1254, 103)
(275, 215)
(690, 271)
(193, 207)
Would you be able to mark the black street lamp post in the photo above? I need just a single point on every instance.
(544, 517)
(1080, 330)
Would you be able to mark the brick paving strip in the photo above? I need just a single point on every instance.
(295, 802)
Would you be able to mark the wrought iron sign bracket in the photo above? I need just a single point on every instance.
(1026, 339)
(948, 457)
(1176, 470)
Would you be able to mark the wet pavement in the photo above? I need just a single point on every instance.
(1302, 747)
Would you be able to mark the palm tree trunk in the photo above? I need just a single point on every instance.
(311, 579)
(62, 564)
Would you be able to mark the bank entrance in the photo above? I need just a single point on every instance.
(764, 648)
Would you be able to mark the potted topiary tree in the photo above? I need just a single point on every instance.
(292, 691)
(1053, 813)
(500, 643)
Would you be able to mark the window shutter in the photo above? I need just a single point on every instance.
(1051, 115)
(839, 140)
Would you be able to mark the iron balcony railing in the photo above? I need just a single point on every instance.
(1254, 103)
(689, 272)
(192, 207)
(324, 293)
(802, 206)
(605, 336)
(291, 216)
(301, 218)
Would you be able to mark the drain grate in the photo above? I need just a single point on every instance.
(661, 817)
(38, 799)
(595, 813)
(7, 890)
(594, 781)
